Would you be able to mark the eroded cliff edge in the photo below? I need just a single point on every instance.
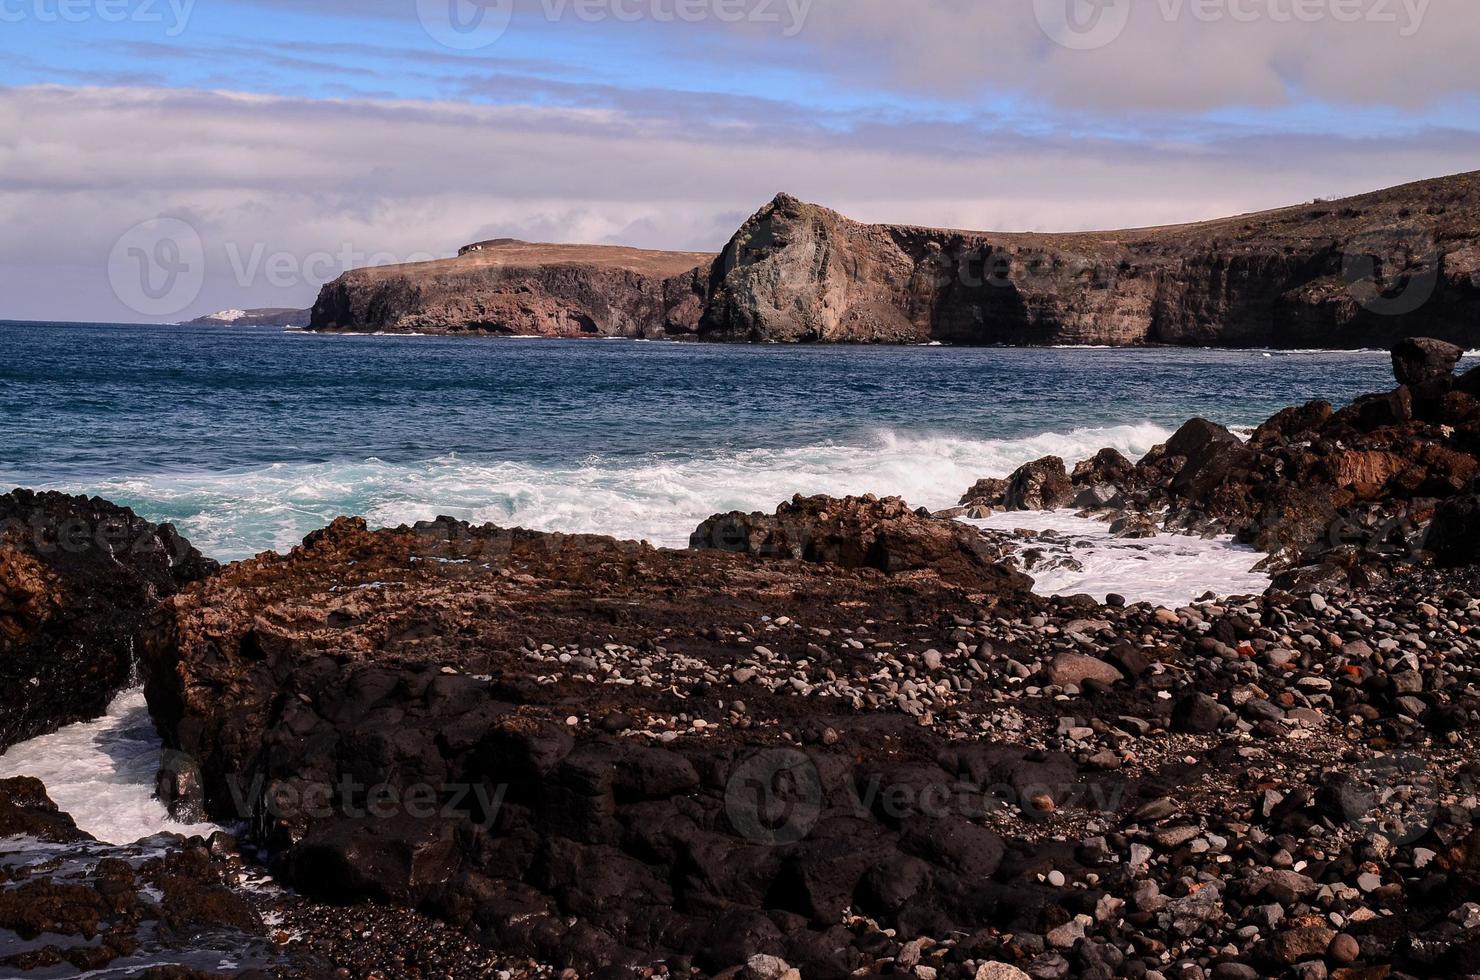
(523, 289)
(1359, 272)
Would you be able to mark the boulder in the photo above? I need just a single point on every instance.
(1197, 714)
(1420, 361)
(26, 811)
(79, 580)
(1454, 535)
(863, 532)
(1041, 485)
(1073, 669)
(1109, 466)
(985, 493)
(1211, 456)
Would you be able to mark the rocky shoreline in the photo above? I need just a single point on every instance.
(846, 738)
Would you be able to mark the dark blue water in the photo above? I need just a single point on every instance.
(250, 437)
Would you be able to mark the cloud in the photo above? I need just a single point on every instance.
(1177, 56)
(283, 192)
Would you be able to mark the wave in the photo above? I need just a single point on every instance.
(660, 498)
(1170, 569)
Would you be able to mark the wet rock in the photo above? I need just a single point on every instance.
(1422, 360)
(79, 580)
(26, 811)
(863, 532)
(1040, 485)
(986, 493)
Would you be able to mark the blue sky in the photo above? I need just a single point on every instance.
(332, 127)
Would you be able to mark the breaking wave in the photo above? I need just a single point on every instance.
(660, 498)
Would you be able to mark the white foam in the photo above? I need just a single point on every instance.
(657, 498)
(102, 773)
(1170, 569)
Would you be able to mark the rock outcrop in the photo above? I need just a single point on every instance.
(517, 288)
(603, 737)
(1334, 497)
(1360, 272)
(75, 907)
(864, 532)
(626, 761)
(78, 579)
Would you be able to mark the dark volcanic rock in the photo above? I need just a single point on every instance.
(1040, 485)
(74, 906)
(465, 675)
(1108, 466)
(26, 811)
(1454, 536)
(1334, 498)
(78, 578)
(1422, 360)
(864, 532)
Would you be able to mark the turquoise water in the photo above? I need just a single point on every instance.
(248, 438)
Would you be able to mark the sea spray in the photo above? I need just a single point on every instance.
(660, 498)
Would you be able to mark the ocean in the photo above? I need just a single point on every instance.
(248, 438)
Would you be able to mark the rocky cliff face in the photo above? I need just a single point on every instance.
(1354, 273)
(1361, 272)
(512, 287)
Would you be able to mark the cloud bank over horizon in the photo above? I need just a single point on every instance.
(296, 140)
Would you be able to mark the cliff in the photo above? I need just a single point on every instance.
(1359, 272)
(518, 288)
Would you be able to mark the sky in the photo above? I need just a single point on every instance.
(161, 159)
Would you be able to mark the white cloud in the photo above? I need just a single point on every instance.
(302, 179)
